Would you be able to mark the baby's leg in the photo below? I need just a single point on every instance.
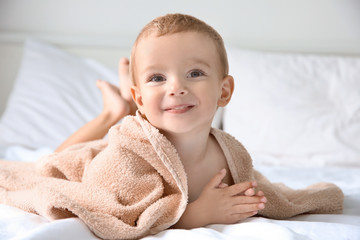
(126, 83)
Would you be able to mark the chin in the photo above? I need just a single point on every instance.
(182, 124)
(187, 129)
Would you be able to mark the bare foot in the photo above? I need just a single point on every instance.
(113, 103)
(126, 83)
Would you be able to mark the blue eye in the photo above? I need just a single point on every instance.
(195, 74)
(156, 78)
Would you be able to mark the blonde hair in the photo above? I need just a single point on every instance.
(175, 23)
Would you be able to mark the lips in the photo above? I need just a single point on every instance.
(182, 108)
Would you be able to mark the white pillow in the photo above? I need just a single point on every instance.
(293, 109)
(54, 94)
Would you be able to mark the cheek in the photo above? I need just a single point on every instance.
(151, 99)
(210, 96)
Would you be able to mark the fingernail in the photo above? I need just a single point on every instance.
(254, 184)
(261, 206)
(263, 199)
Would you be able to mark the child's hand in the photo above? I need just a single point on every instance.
(222, 204)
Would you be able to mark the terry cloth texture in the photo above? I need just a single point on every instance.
(134, 183)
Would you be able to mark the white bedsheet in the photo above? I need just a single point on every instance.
(17, 224)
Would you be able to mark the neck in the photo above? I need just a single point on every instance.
(191, 147)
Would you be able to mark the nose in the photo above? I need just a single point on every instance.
(177, 87)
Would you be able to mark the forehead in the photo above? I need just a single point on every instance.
(176, 48)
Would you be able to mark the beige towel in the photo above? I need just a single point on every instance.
(134, 184)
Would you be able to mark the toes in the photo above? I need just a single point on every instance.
(99, 83)
(124, 66)
(124, 61)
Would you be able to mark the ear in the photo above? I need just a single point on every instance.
(136, 95)
(227, 89)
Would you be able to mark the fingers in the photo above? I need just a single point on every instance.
(245, 208)
(236, 217)
(248, 200)
(223, 185)
(216, 181)
(249, 196)
(260, 194)
(249, 192)
(244, 211)
(241, 188)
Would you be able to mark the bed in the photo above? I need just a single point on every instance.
(296, 105)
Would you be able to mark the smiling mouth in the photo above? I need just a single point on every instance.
(179, 108)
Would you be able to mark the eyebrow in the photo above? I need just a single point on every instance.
(151, 68)
(190, 61)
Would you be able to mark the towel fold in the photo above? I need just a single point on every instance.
(134, 183)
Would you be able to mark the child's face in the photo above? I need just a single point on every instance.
(179, 81)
